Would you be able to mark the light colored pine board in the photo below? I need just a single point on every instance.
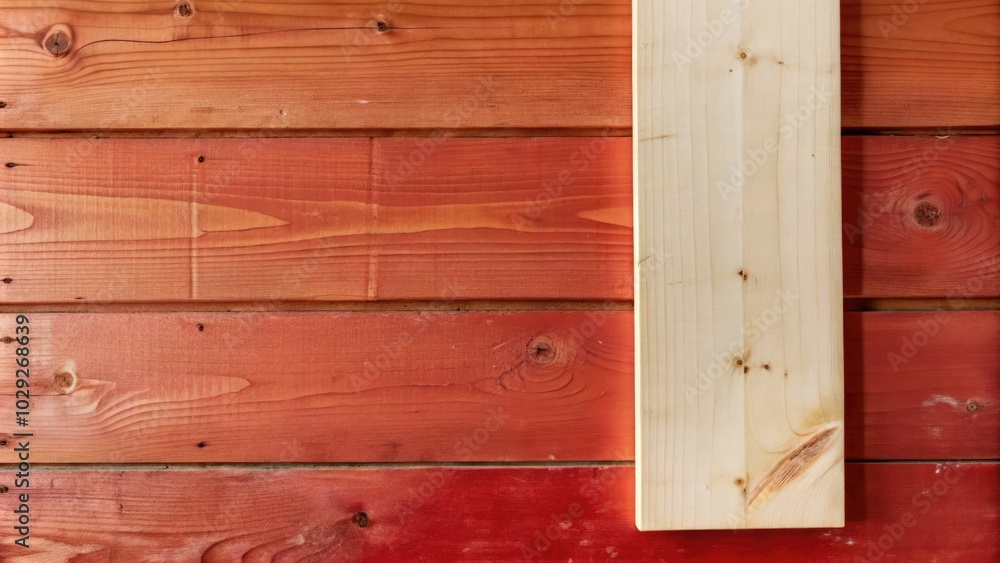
(298, 64)
(921, 63)
(326, 387)
(739, 332)
(915, 512)
(254, 379)
(922, 217)
(314, 219)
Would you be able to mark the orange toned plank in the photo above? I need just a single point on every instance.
(138, 64)
(923, 385)
(399, 387)
(895, 512)
(311, 387)
(920, 63)
(921, 217)
(315, 219)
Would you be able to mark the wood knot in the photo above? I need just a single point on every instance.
(926, 214)
(7, 280)
(7, 339)
(58, 40)
(184, 10)
(360, 520)
(11, 165)
(541, 351)
(3, 105)
(65, 381)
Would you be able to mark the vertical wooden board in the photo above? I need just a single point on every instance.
(738, 265)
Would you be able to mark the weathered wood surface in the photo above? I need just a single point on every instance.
(139, 64)
(403, 387)
(923, 385)
(922, 217)
(895, 512)
(739, 366)
(315, 219)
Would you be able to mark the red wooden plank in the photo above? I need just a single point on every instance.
(920, 63)
(337, 64)
(315, 219)
(351, 387)
(923, 385)
(895, 512)
(921, 217)
(403, 387)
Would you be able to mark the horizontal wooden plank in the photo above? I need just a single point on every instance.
(408, 387)
(391, 219)
(923, 385)
(895, 512)
(349, 387)
(140, 64)
(921, 217)
(920, 63)
(315, 219)
(137, 64)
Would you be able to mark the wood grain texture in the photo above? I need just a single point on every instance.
(403, 387)
(922, 217)
(895, 512)
(923, 385)
(314, 219)
(236, 64)
(326, 387)
(921, 63)
(138, 64)
(739, 334)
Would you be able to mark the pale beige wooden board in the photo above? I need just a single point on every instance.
(739, 331)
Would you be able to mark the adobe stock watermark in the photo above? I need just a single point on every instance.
(553, 188)
(416, 497)
(755, 158)
(893, 533)
(883, 202)
(910, 346)
(711, 30)
(735, 355)
(901, 13)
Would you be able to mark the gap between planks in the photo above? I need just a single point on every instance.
(313, 306)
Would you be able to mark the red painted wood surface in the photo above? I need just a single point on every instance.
(326, 387)
(132, 64)
(922, 217)
(298, 64)
(112, 220)
(923, 385)
(406, 387)
(920, 63)
(895, 512)
(315, 219)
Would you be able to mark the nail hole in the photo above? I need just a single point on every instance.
(202, 444)
(971, 406)
(382, 26)
(201, 159)
(3, 105)
(3, 489)
(360, 520)
(10, 165)
(3, 442)
(201, 328)
(7, 280)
